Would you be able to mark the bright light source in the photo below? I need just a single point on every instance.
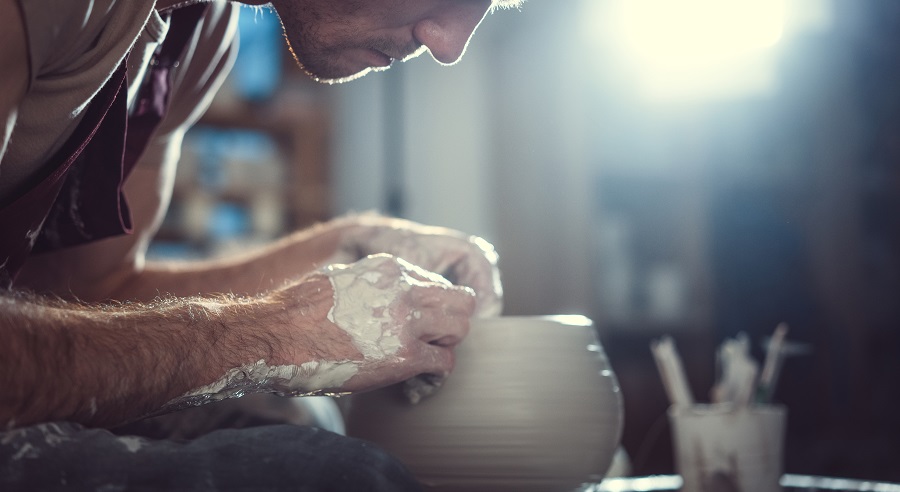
(700, 32)
(692, 47)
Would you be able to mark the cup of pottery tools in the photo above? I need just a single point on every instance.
(722, 447)
(736, 443)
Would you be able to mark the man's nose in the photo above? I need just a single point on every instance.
(446, 31)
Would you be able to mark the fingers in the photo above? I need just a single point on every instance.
(437, 315)
(478, 269)
(382, 299)
(387, 318)
(437, 361)
(440, 314)
(434, 362)
(422, 386)
(463, 260)
(440, 311)
(442, 324)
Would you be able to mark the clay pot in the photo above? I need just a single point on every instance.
(531, 406)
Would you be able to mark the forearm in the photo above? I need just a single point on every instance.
(353, 327)
(108, 364)
(259, 270)
(250, 273)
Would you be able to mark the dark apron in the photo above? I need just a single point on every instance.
(81, 200)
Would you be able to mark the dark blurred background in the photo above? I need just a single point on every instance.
(665, 168)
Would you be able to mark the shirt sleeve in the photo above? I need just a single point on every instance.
(72, 36)
(207, 62)
(202, 69)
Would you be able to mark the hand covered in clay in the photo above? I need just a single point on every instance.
(346, 328)
(463, 259)
(387, 321)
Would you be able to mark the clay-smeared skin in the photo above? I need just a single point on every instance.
(373, 303)
(391, 308)
(460, 258)
(364, 294)
(309, 378)
(383, 277)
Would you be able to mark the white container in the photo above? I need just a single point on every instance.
(720, 447)
(531, 406)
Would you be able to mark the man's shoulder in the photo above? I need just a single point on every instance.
(63, 34)
(73, 47)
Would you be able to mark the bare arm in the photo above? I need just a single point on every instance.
(345, 329)
(104, 365)
(252, 272)
(466, 260)
(114, 269)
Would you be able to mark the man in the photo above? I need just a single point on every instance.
(95, 97)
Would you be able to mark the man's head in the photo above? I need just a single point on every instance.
(340, 40)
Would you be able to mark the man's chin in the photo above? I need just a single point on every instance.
(348, 78)
(361, 63)
(335, 78)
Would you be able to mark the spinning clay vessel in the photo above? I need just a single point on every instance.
(531, 406)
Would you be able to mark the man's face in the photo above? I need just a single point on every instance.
(340, 40)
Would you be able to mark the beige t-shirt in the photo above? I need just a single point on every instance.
(75, 46)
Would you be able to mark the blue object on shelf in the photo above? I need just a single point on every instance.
(257, 69)
(228, 221)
